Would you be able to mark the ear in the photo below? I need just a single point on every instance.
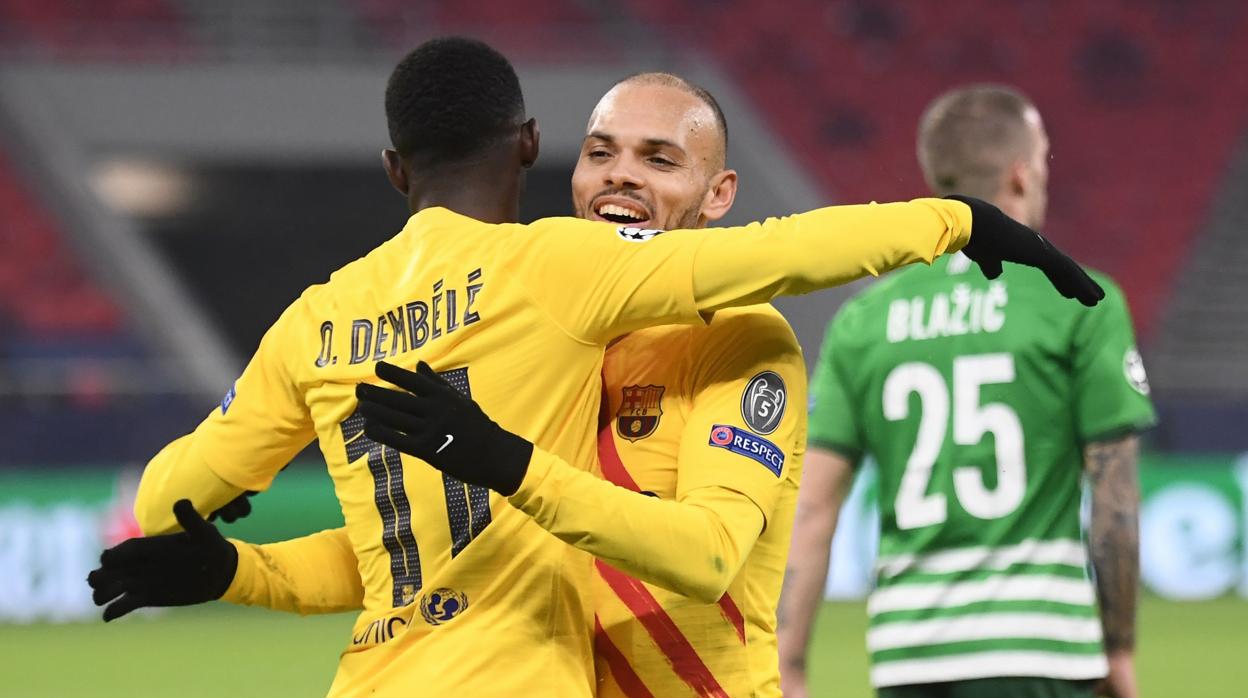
(1018, 179)
(393, 164)
(719, 197)
(530, 142)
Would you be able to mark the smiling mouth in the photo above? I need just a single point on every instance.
(621, 214)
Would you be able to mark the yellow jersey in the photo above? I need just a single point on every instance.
(669, 391)
(666, 391)
(517, 317)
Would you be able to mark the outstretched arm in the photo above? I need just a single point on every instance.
(623, 283)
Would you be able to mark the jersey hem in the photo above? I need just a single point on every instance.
(1077, 668)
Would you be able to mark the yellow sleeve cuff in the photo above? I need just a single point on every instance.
(244, 573)
(958, 217)
(529, 497)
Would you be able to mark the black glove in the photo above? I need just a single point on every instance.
(997, 238)
(180, 569)
(431, 420)
(237, 508)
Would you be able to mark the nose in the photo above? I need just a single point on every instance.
(623, 174)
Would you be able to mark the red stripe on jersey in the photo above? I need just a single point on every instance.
(613, 469)
(630, 683)
(734, 615)
(662, 629)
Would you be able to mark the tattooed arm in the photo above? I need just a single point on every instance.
(826, 480)
(1114, 546)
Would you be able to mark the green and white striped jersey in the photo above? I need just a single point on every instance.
(975, 397)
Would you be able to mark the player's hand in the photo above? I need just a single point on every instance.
(431, 420)
(1120, 683)
(179, 569)
(237, 508)
(997, 238)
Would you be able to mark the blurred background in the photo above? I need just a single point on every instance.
(174, 172)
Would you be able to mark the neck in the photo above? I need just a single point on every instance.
(488, 191)
(1013, 207)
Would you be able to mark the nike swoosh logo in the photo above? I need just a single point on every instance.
(449, 439)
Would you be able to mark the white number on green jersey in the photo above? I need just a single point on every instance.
(915, 507)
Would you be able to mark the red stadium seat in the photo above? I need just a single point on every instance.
(1122, 85)
(111, 28)
(43, 290)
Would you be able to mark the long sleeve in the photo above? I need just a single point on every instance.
(177, 472)
(743, 433)
(312, 574)
(694, 546)
(822, 248)
(260, 425)
(625, 279)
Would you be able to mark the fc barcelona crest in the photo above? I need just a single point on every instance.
(639, 411)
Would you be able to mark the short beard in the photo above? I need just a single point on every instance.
(687, 220)
(690, 218)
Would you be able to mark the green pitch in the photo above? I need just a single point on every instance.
(1186, 650)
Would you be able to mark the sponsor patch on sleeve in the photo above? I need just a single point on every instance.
(637, 234)
(752, 446)
(228, 399)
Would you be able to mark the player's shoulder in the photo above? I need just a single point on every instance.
(359, 276)
(1031, 287)
(757, 331)
(557, 225)
(748, 323)
(430, 231)
(558, 240)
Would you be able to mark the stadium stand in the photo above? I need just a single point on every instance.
(1202, 348)
(76, 384)
(537, 30)
(44, 292)
(1119, 80)
(69, 28)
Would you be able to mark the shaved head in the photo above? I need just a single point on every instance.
(719, 157)
(654, 156)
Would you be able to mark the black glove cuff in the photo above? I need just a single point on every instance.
(222, 572)
(512, 456)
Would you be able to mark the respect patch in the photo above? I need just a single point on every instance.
(750, 445)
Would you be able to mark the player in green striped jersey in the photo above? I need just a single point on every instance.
(980, 401)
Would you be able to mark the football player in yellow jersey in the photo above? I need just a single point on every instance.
(517, 316)
(680, 402)
(671, 394)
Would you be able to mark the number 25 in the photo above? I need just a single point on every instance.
(914, 506)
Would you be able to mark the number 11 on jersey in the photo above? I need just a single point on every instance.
(467, 506)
